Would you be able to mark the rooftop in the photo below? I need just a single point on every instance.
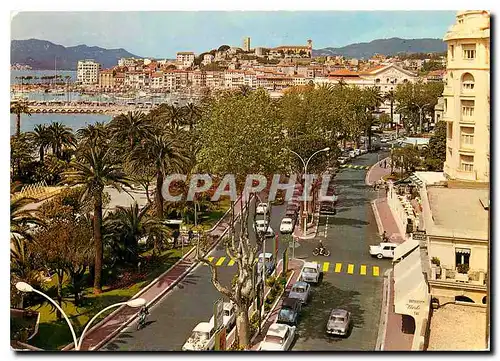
(459, 210)
(458, 328)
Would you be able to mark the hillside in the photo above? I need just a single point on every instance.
(40, 54)
(390, 46)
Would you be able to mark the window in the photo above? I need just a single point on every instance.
(452, 51)
(445, 105)
(449, 131)
(387, 80)
(469, 51)
(462, 256)
(467, 108)
(467, 82)
(467, 135)
(377, 81)
(405, 81)
(467, 163)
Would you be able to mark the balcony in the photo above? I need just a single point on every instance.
(451, 275)
(463, 175)
(466, 148)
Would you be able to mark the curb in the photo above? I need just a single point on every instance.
(377, 217)
(150, 285)
(384, 311)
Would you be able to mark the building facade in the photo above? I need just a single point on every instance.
(467, 97)
(246, 44)
(88, 72)
(185, 59)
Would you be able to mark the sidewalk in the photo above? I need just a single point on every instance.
(296, 266)
(376, 172)
(110, 326)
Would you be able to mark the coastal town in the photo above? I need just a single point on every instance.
(255, 198)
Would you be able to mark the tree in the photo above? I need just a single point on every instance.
(41, 139)
(384, 120)
(191, 115)
(22, 218)
(21, 154)
(129, 128)
(164, 151)
(92, 134)
(407, 158)
(18, 108)
(390, 96)
(60, 137)
(24, 266)
(435, 153)
(94, 169)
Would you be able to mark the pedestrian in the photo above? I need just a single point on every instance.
(374, 186)
(385, 163)
(380, 164)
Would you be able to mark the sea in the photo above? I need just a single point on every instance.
(16, 74)
(74, 121)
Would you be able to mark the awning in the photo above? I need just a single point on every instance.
(405, 248)
(462, 250)
(411, 294)
(416, 180)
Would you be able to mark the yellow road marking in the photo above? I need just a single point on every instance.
(350, 269)
(220, 261)
(326, 266)
(375, 270)
(231, 262)
(210, 259)
(338, 267)
(362, 270)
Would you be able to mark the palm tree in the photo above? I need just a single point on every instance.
(41, 139)
(23, 265)
(95, 169)
(129, 127)
(391, 96)
(245, 90)
(60, 137)
(166, 152)
(171, 116)
(192, 115)
(93, 134)
(19, 108)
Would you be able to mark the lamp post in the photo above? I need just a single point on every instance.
(306, 163)
(420, 109)
(135, 303)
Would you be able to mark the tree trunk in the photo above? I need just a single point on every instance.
(392, 113)
(159, 206)
(98, 242)
(60, 275)
(41, 154)
(243, 327)
(18, 124)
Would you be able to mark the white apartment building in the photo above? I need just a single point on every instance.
(136, 80)
(467, 98)
(234, 79)
(157, 80)
(127, 62)
(88, 72)
(207, 59)
(214, 79)
(185, 59)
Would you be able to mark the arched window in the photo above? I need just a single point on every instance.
(405, 81)
(467, 82)
(377, 81)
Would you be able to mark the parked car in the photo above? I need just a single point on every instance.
(262, 208)
(291, 212)
(310, 272)
(364, 150)
(229, 318)
(287, 225)
(301, 291)
(357, 151)
(327, 207)
(383, 250)
(339, 322)
(268, 260)
(202, 338)
(342, 160)
(279, 337)
(290, 311)
(352, 154)
(262, 226)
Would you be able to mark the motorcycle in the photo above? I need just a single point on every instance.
(321, 251)
(142, 321)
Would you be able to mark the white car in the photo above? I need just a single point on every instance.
(310, 272)
(229, 318)
(268, 260)
(202, 338)
(383, 250)
(262, 208)
(262, 226)
(342, 160)
(352, 154)
(364, 151)
(279, 337)
(357, 151)
(286, 225)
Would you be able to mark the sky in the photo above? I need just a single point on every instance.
(161, 34)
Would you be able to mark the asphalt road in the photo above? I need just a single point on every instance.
(349, 233)
(356, 288)
(173, 318)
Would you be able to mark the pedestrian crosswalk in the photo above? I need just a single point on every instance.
(354, 166)
(326, 267)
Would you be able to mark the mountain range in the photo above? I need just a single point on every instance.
(40, 54)
(390, 46)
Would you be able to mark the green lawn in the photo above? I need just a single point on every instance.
(53, 334)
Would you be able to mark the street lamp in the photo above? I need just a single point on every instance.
(135, 303)
(306, 163)
(420, 109)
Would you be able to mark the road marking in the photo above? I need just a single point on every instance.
(220, 261)
(326, 266)
(326, 225)
(350, 269)
(338, 267)
(375, 270)
(362, 270)
(231, 262)
(210, 259)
